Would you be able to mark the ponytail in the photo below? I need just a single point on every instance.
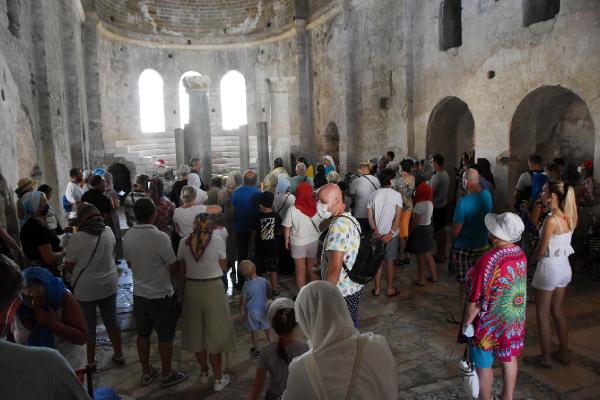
(569, 208)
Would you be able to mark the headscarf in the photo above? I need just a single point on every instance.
(194, 180)
(331, 162)
(202, 230)
(320, 178)
(283, 184)
(156, 191)
(99, 172)
(40, 335)
(305, 202)
(89, 219)
(30, 202)
(424, 192)
(234, 180)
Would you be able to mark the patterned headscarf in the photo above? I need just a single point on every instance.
(30, 203)
(89, 219)
(202, 231)
(156, 191)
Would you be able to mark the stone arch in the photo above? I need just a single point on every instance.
(450, 132)
(121, 177)
(551, 121)
(27, 154)
(331, 141)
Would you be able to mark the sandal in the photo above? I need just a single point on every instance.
(536, 361)
(452, 320)
(374, 293)
(417, 283)
(395, 293)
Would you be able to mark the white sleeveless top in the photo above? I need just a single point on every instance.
(559, 245)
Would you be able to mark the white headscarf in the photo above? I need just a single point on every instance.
(330, 159)
(194, 181)
(323, 315)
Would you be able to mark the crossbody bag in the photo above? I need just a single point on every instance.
(88, 263)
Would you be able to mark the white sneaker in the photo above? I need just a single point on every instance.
(204, 376)
(219, 385)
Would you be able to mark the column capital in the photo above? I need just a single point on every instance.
(196, 84)
(280, 84)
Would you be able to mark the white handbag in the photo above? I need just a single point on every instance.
(468, 375)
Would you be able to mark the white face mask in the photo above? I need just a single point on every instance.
(322, 210)
(579, 169)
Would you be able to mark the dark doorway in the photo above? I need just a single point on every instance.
(121, 177)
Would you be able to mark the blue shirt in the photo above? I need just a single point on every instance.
(470, 211)
(255, 293)
(245, 202)
(538, 180)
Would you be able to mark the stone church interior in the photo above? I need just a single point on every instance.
(400, 194)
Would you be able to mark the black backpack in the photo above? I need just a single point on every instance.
(368, 260)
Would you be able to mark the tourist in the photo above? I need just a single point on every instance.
(24, 185)
(440, 182)
(207, 328)
(497, 301)
(183, 217)
(405, 185)
(73, 194)
(283, 196)
(384, 210)
(553, 272)
(150, 256)
(49, 316)
(301, 176)
(562, 166)
(253, 304)
(552, 172)
(111, 194)
(30, 372)
(340, 246)
(333, 177)
(84, 184)
(40, 245)
(301, 234)
(196, 168)
(94, 283)
(165, 209)
(51, 220)
(486, 178)
(201, 195)
(469, 232)
(140, 190)
(95, 196)
(585, 192)
(417, 172)
(385, 160)
(182, 174)
(310, 171)
(327, 370)
(216, 183)
(360, 190)
(234, 180)
(421, 234)
(266, 238)
(270, 182)
(275, 357)
(320, 177)
(329, 164)
(245, 203)
(523, 188)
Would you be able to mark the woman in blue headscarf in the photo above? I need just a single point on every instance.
(49, 316)
(40, 245)
(283, 198)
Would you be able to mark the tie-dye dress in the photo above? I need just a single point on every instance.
(498, 283)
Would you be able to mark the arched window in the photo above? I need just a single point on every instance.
(539, 10)
(450, 24)
(184, 99)
(233, 100)
(152, 109)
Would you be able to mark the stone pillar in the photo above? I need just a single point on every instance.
(244, 148)
(280, 119)
(197, 137)
(180, 147)
(262, 139)
(305, 111)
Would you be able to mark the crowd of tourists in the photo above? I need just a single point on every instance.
(183, 243)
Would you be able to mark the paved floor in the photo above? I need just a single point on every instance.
(421, 340)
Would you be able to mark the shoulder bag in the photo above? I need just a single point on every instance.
(86, 265)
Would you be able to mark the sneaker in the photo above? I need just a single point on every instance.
(149, 378)
(173, 379)
(220, 384)
(254, 352)
(204, 376)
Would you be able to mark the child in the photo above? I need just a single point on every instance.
(421, 234)
(253, 304)
(265, 238)
(276, 357)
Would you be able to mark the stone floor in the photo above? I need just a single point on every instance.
(420, 338)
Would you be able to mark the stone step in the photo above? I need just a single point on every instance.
(151, 152)
(145, 140)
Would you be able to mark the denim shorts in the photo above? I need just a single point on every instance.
(108, 311)
(482, 358)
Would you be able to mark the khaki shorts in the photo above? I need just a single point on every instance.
(305, 251)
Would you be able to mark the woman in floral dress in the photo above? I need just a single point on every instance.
(497, 299)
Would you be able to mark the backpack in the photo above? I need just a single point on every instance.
(66, 204)
(368, 260)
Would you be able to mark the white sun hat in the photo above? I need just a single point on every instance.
(506, 226)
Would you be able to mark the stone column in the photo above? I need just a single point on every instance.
(244, 148)
(280, 119)
(305, 112)
(180, 147)
(197, 137)
(262, 138)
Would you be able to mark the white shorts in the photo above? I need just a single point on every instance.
(552, 273)
(305, 250)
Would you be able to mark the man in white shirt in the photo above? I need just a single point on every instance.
(150, 256)
(440, 183)
(30, 372)
(73, 193)
(384, 209)
(360, 190)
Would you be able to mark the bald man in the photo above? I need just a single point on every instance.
(340, 246)
(469, 231)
